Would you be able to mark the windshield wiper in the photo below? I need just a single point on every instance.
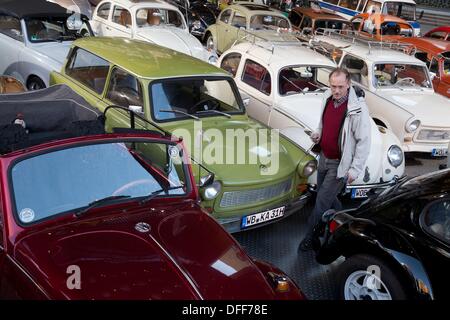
(98, 203)
(215, 111)
(156, 193)
(181, 112)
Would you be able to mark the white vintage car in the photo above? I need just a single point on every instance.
(35, 37)
(399, 90)
(283, 86)
(152, 21)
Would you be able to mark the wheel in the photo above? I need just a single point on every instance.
(359, 280)
(35, 83)
(84, 33)
(210, 43)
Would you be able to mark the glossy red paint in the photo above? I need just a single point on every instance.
(185, 254)
(442, 32)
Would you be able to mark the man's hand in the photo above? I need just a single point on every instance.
(315, 137)
(349, 178)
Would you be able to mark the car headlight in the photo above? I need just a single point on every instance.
(308, 169)
(395, 156)
(213, 58)
(196, 24)
(212, 191)
(412, 126)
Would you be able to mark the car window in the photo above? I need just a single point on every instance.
(357, 23)
(422, 56)
(268, 22)
(399, 75)
(438, 35)
(124, 89)
(295, 18)
(103, 10)
(436, 220)
(302, 79)
(434, 66)
(231, 62)
(357, 68)
(10, 26)
(238, 20)
(225, 16)
(306, 23)
(350, 4)
(256, 76)
(156, 17)
(373, 6)
(121, 16)
(88, 68)
(332, 24)
(175, 99)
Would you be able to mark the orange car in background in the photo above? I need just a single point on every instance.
(314, 19)
(381, 27)
(436, 54)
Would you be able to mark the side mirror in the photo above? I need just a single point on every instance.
(137, 109)
(74, 22)
(432, 75)
(420, 15)
(206, 180)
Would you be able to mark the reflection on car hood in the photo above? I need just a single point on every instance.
(54, 50)
(185, 255)
(430, 108)
(306, 108)
(175, 39)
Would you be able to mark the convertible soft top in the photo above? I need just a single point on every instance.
(35, 117)
(32, 8)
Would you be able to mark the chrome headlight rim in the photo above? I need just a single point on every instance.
(412, 125)
(213, 58)
(212, 191)
(309, 168)
(196, 24)
(395, 156)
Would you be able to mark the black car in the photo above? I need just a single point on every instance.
(396, 244)
(199, 14)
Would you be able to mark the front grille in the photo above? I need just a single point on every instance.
(245, 197)
(433, 135)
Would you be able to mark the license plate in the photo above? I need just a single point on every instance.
(360, 193)
(261, 217)
(439, 152)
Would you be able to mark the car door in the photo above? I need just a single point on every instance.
(234, 32)
(100, 20)
(120, 23)
(256, 82)
(11, 45)
(223, 25)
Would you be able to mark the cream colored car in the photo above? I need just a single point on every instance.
(284, 86)
(399, 90)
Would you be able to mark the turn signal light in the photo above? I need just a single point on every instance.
(279, 282)
(302, 188)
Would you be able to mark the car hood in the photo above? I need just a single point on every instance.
(55, 50)
(175, 39)
(261, 162)
(305, 108)
(430, 108)
(185, 255)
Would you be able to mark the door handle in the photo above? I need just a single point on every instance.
(108, 28)
(226, 30)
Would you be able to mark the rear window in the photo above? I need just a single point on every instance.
(256, 76)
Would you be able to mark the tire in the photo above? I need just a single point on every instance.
(35, 83)
(353, 272)
(210, 43)
(84, 33)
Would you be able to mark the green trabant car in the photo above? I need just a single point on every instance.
(248, 175)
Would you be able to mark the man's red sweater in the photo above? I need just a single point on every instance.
(331, 125)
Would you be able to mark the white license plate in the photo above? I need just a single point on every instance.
(439, 152)
(360, 193)
(261, 217)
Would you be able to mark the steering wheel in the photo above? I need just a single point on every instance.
(407, 80)
(204, 105)
(130, 185)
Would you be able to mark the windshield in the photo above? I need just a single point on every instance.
(192, 97)
(60, 181)
(301, 79)
(158, 17)
(51, 29)
(446, 64)
(401, 76)
(268, 22)
(332, 24)
(403, 10)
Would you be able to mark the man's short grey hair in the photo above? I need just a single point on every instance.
(339, 71)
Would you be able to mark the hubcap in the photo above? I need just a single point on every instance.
(362, 285)
(210, 43)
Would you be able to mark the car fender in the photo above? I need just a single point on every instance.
(212, 29)
(358, 236)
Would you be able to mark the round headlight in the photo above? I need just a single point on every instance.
(412, 126)
(395, 156)
(212, 191)
(309, 168)
(212, 59)
(196, 24)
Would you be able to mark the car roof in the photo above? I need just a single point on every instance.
(316, 14)
(439, 29)
(434, 46)
(373, 55)
(284, 55)
(380, 18)
(32, 8)
(144, 3)
(252, 9)
(145, 59)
